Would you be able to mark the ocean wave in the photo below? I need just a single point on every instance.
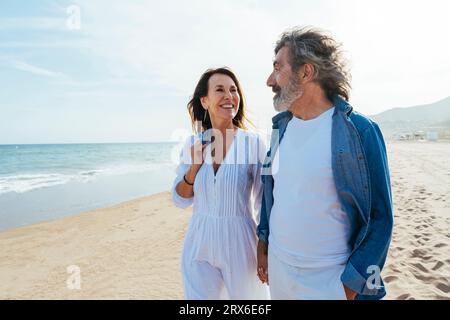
(28, 182)
(21, 183)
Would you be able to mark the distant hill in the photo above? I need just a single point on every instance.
(430, 117)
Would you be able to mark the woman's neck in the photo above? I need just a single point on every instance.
(223, 127)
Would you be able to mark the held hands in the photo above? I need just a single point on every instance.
(263, 275)
(261, 255)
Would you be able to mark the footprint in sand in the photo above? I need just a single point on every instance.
(443, 287)
(420, 267)
(419, 253)
(389, 279)
(421, 277)
(438, 265)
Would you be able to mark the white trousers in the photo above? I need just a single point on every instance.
(288, 282)
(203, 281)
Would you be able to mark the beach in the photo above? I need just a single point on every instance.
(418, 264)
(129, 251)
(132, 250)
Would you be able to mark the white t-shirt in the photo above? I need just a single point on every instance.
(308, 227)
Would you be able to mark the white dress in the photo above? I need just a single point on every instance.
(219, 254)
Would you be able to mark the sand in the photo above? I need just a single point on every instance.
(129, 251)
(132, 250)
(418, 264)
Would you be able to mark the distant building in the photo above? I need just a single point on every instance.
(445, 134)
(404, 136)
(419, 135)
(432, 135)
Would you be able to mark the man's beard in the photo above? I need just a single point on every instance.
(284, 98)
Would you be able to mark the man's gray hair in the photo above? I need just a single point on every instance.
(316, 47)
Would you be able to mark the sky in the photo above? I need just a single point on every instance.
(123, 71)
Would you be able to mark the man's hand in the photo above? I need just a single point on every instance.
(349, 293)
(261, 255)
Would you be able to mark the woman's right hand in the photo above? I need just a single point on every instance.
(198, 154)
(185, 188)
(197, 159)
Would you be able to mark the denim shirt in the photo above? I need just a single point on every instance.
(361, 175)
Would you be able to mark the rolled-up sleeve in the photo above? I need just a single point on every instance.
(181, 170)
(257, 189)
(262, 230)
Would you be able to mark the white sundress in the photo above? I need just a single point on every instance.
(219, 254)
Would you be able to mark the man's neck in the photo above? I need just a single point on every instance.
(311, 105)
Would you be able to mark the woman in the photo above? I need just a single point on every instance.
(221, 178)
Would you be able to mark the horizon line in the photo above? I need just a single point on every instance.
(66, 143)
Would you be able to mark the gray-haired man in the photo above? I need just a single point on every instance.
(328, 204)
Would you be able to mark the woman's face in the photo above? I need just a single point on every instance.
(223, 98)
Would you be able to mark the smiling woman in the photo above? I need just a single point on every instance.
(219, 255)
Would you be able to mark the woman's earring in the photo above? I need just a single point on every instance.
(206, 112)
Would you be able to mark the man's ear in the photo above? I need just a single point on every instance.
(306, 72)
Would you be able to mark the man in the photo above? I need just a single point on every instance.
(326, 217)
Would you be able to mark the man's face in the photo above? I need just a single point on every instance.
(283, 81)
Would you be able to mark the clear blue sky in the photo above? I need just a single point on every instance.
(127, 73)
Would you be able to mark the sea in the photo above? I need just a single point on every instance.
(42, 182)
